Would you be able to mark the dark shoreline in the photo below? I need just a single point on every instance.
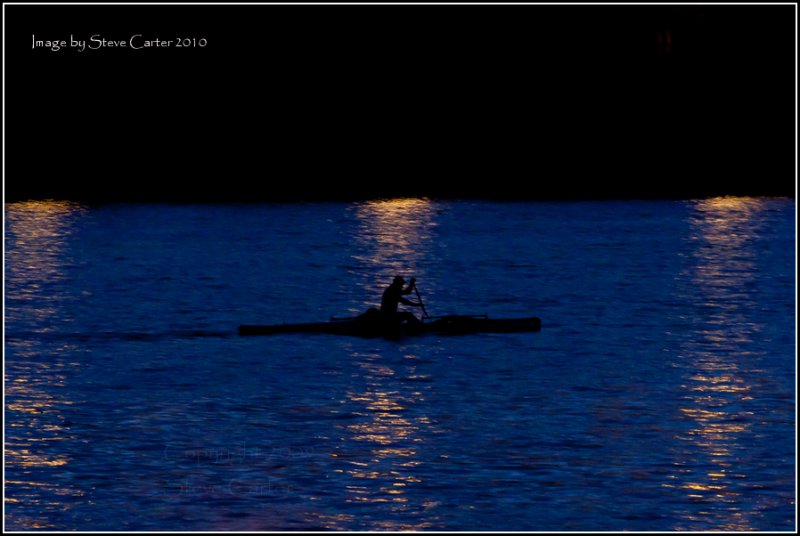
(299, 199)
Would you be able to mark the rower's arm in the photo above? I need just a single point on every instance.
(410, 287)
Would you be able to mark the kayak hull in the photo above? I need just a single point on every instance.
(371, 327)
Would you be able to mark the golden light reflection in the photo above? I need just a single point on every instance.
(393, 238)
(37, 235)
(395, 226)
(717, 388)
(386, 472)
(334, 521)
(36, 231)
(31, 404)
(726, 219)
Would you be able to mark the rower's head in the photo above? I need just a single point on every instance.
(398, 280)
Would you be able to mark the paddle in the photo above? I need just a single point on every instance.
(424, 312)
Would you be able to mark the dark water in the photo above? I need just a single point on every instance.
(659, 395)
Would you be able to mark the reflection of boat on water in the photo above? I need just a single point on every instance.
(373, 325)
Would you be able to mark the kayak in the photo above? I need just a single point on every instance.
(373, 326)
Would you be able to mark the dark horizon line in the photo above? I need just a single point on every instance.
(378, 196)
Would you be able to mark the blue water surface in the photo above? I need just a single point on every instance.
(659, 394)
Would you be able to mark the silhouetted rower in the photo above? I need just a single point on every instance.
(393, 296)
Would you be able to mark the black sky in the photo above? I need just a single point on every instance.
(289, 102)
